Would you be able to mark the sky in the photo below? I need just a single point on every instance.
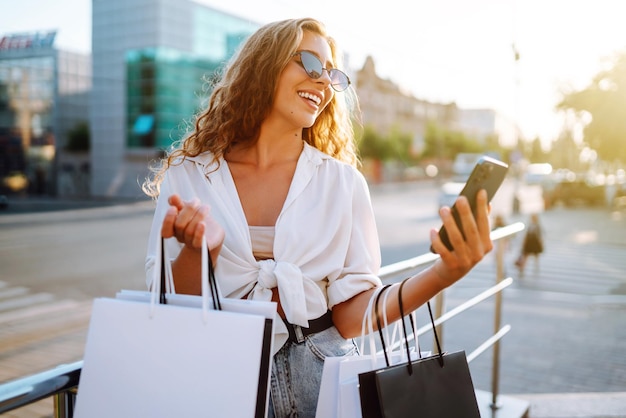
(438, 50)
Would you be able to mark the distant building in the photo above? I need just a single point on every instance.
(483, 123)
(386, 106)
(151, 60)
(44, 94)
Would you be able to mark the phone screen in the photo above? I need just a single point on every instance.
(488, 174)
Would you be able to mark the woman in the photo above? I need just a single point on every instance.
(269, 177)
(532, 245)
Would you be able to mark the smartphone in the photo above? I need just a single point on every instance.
(488, 174)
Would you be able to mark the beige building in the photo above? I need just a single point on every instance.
(386, 106)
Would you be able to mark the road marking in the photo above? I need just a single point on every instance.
(12, 292)
(26, 301)
(35, 311)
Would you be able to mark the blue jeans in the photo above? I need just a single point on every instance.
(297, 373)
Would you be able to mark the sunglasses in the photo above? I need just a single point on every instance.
(339, 81)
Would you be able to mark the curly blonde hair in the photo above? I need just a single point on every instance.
(244, 95)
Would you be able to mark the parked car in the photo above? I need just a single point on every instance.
(578, 190)
(537, 173)
(449, 192)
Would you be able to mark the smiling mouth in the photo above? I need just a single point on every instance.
(315, 99)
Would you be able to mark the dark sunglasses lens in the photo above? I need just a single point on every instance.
(311, 64)
(339, 81)
(313, 67)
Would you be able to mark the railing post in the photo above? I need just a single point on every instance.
(497, 319)
(64, 404)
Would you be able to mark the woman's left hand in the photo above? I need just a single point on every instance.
(466, 252)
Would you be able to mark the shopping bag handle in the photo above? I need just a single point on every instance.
(432, 321)
(367, 326)
(379, 325)
(209, 282)
(387, 337)
(162, 298)
(209, 272)
(406, 340)
(406, 337)
(157, 289)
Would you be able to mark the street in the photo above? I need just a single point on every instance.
(567, 314)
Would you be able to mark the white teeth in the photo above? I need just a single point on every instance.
(309, 96)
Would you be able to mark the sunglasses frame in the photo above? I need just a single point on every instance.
(332, 72)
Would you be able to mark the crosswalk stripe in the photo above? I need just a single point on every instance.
(29, 312)
(25, 301)
(12, 292)
(560, 267)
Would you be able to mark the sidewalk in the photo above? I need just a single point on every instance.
(609, 229)
(577, 405)
(40, 204)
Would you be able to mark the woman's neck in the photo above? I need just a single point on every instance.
(268, 151)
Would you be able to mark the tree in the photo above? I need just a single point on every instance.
(400, 144)
(445, 144)
(604, 100)
(537, 155)
(565, 152)
(395, 146)
(373, 145)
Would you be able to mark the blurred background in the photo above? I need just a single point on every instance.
(92, 91)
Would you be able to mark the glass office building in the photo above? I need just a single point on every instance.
(43, 97)
(164, 87)
(152, 64)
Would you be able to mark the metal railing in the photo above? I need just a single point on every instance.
(61, 382)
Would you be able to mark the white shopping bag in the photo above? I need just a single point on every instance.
(265, 309)
(339, 391)
(146, 359)
(331, 402)
(349, 400)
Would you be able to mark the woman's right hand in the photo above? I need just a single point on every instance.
(188, 221)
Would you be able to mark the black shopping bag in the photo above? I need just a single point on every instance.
(439, 386)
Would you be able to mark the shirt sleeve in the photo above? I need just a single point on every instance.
(362, 263)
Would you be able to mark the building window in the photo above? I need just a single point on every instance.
(165, 89)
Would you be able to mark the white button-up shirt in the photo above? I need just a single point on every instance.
(326, 247)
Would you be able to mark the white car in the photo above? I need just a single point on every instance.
(449, 192)
(537, 173)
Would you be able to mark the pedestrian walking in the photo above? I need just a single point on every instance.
(532, 245)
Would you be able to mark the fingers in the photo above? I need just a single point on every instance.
(475, 226)
(176, 205)
(482, 221)
(189, 224)
(186, 221)
(470, 241)
(445, 213)
(167, 228)
(176, 201)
